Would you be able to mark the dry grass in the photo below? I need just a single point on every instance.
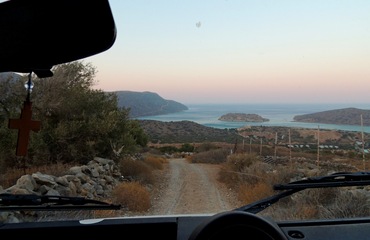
(347, 204)
(214, 156)
(133, 196)
(250, 193)
(250, 177)
(155, 162)
(136, 170)
(10, 177)
(240, 162)
(253, 180)
(243, 168)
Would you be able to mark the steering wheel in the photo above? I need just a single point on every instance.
(237, 225)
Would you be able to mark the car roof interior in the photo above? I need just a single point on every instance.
(35, 35)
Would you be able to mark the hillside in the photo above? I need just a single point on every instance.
(147, 104)
(191, 132)
(186, 132)
(345, 116)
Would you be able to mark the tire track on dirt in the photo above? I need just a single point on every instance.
(191, 188)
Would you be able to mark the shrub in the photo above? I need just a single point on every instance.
(242, 168)
(169, 149)
(239, 162)
(204, 147)
(153, 150)
(249, 193)
(211, 156)
(281, 174)
(326, 203)
(230, 178)
(155, 162)
(187, 147)
(358, 207)
(133, 196)
(136, 170)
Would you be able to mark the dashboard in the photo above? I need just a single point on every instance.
(225, 225)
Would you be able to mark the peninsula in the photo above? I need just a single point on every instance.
(347, 116)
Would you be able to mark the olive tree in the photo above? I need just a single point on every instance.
(77, 121)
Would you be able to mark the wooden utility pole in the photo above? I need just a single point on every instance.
(250, 145)
(363, 143)
(275, 146)
(290, 149)
(318, 145)
(261, 148)
(235, 146)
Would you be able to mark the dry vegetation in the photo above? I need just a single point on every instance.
(140, 175)
(252, 178)
(245, 172)
(133, 196)
(11, 176)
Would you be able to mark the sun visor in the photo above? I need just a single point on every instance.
(35, 35)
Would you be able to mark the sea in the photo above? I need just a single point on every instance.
(278, 115)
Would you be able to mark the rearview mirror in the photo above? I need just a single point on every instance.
(35, 35)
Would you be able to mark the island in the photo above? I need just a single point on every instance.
(242, 117)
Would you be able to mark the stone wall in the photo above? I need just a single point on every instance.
(94, 181)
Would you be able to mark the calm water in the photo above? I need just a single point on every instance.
(279, 115)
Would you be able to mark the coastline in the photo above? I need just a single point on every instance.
(280, 115)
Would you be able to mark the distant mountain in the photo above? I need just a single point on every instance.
(147, 104)
(345, 116)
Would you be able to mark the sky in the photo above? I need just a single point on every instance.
(240, 51)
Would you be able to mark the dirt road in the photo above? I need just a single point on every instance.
(191, 188)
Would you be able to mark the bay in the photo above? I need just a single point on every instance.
(278, 114)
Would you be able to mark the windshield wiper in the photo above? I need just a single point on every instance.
(340, 179)
(14, 202)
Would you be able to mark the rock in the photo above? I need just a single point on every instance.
(94, 180)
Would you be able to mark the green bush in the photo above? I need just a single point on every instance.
(187, 147)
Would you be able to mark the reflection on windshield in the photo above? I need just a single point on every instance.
(198, 108)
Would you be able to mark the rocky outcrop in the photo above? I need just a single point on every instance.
(95, 180)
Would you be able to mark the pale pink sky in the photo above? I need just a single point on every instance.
(243, 51)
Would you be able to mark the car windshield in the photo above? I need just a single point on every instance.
(198, 107)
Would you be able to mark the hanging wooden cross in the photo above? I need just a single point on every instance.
(25, 124)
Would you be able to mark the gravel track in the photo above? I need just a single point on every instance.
(187, 188)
